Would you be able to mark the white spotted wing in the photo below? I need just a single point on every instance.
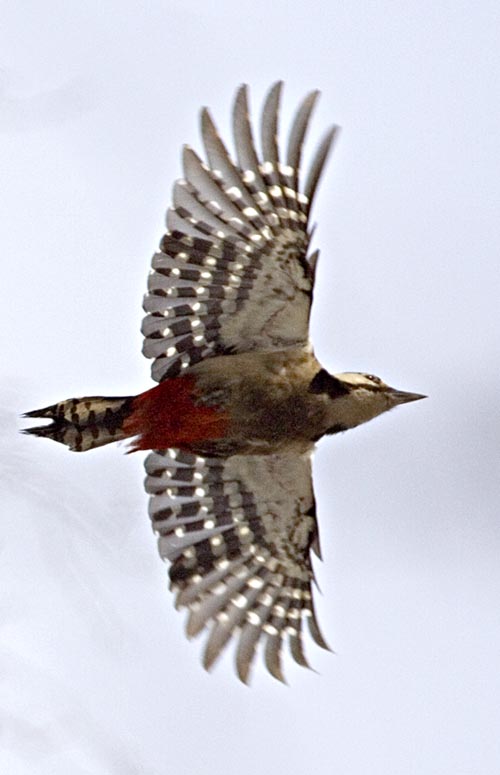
(239, 532)
(233, 272)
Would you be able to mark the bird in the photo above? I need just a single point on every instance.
(241, 399)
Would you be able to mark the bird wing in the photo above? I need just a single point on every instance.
(238, 532)
(232, 273)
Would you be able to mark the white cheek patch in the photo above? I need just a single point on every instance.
(359, 406)
(356, 379)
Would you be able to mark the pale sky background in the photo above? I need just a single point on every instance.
(96, 99)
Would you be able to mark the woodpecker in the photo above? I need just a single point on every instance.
(241, 400)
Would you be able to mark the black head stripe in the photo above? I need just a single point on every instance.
(323, 382)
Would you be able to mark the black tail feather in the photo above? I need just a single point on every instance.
(82, 423)
(54, 430)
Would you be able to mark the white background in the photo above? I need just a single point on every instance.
(96, 99)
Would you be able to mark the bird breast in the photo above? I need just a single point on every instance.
(266, 399)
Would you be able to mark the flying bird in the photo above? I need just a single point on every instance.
(241, 400)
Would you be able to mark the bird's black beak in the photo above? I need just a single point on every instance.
(402, 397)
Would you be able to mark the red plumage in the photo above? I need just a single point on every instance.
(171, 415)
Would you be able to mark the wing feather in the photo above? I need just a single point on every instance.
(274, 643)
(297, 646)
(269, 124)
(272, 656)
(243, 139)
(277, 178)
(238, 532)
(209, 191)
(221, 164)
(318, 164)
(297, 135)
(234, 589)
(245, 224)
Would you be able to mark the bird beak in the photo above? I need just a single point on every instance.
(401, 397)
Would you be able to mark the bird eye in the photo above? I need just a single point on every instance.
(373, 378)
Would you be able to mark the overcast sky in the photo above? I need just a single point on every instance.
(96, 99)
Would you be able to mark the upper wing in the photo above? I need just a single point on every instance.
(232, 273)
(238, 532)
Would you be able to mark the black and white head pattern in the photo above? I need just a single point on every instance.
(239, 532)
(232, 273)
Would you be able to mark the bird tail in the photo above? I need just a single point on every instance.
(168, 415)
(84, 423)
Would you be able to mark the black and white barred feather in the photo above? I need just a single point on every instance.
(238, 532)
(232, 273)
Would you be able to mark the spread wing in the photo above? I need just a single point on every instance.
(232, 273)
(238, 532)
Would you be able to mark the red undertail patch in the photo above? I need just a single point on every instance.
(168, 416)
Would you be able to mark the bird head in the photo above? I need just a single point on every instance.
(357, 397)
